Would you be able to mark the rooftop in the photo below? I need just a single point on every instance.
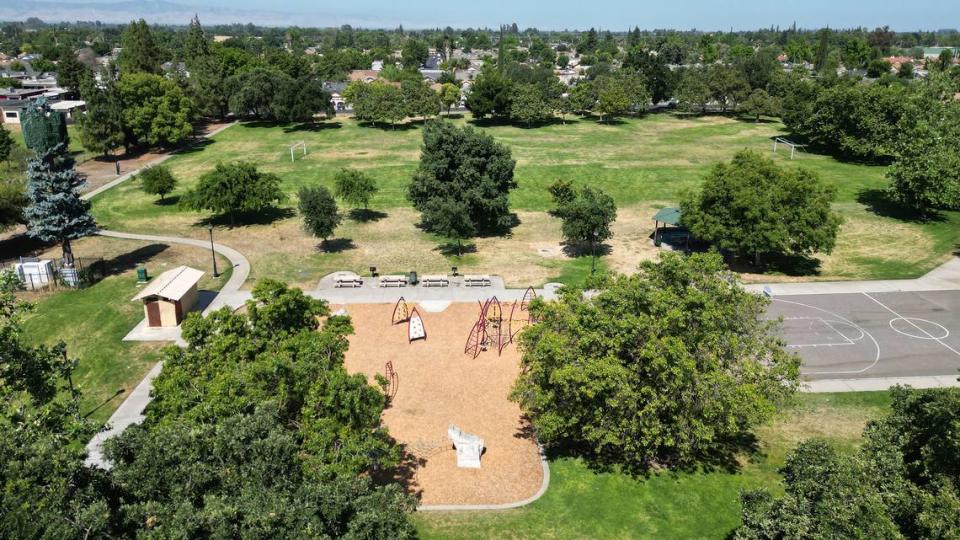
(172, 284)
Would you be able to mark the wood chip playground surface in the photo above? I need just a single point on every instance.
(439, 385)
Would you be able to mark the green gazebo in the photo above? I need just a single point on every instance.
(667, 216)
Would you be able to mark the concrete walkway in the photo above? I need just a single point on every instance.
(945, 277)
(126, 176)
(879, 383)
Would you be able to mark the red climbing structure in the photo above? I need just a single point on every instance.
(392, 378)
(489, 330)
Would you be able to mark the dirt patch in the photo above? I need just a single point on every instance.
(439, 385)
(631, 242)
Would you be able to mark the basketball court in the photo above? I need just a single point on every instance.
(867, 335)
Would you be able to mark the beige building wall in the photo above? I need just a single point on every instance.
(189, 300)
(168, 313)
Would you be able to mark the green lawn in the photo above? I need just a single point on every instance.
(643, 163)
(93, 321)
(581, 503)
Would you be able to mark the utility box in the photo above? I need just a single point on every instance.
(142, 275)
(35, 273)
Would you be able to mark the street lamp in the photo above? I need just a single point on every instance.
(593, 261)
(213, 252)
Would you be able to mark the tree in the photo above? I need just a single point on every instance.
(45, 488)
(260, 406)
(449, 96)
(157, 180)
(755, 208)
(419, 99)
(450, 218)
(490, 95)
(414, 54)
(195, 46)
(759, 102)
(905, 71)
(139, 53)
(319, 211)
(376, 102)
(586, 216)
(302, 100)
(926, 174)
(235, 187)
(71, 73)
(13, 200)
(6, 144)
(56, 213)
(878, 68)
(727, 85)
(156, 111)
(529, 105)
(583, 97)
(355, 187)
(693, 93)
(467, 167)
(101, 126)
(664, 368)
(828, 495)
(43, 128)
(612, 97)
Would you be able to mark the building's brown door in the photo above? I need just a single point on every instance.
(179, 311)
(153, 313)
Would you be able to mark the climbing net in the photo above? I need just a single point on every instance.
(493, 330)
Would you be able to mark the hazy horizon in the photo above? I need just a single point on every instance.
(617, 15)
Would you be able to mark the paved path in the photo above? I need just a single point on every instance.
(160, 159)
(879, 383)
(946, 277)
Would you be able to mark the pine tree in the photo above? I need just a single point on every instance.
(140, 53)
(71, 72)
(6, 144)
(43, 128)
(196, 46)
(101, 128)
(56, 212)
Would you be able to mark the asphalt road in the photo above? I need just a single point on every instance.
(868, 335)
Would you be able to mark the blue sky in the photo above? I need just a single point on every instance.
(607, 14)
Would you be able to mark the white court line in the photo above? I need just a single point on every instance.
(938, 340)
(830, 326)
(815, 345)
(844, 320)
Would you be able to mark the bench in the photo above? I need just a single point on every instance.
(435, 280)
(396, 280)
(347, 279)
(476, 281)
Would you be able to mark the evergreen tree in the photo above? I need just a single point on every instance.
(43, 128)
(195, 47)
(101, 128)
(139, 51)
(56, 212)
(72, 74)
(235, 187)
(6, 144)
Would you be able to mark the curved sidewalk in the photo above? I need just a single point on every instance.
(131, 410)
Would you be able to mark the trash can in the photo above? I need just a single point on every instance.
(413, 277)
(142, 274)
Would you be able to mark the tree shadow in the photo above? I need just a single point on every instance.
(313, 127)
(262, 217)
(406, 126)
(585, 249)
(404, 473)
(21, 245)
(197, 146)
(878, 202)
(132, 259)
(788, 265)
(513, 220)
(450, 249)
(336, 245)
(365, 215)
(172, 200)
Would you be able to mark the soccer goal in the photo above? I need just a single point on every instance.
(791, 145)
(294, 147)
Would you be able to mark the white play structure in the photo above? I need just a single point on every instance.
(469, 447)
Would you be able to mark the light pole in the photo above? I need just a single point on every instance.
(593, 260)
(213, 252)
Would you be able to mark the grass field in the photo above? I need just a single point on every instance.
(581, 503)
(93, 321)
(644, 163)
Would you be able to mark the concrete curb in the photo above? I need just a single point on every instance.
(878, 384)
(505, 506)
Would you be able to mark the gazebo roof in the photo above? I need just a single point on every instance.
(670, 216)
